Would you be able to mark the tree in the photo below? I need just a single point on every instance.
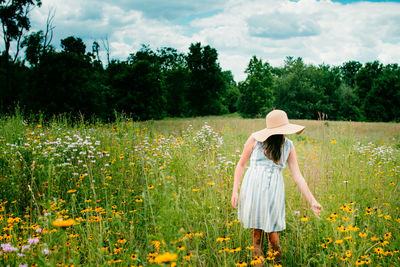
(231, 98)
(14, 20)
(364, 81)
(256, 93)
(73, 45)
(296, 91)
(174, 81)
(382, 101)
(136, 87)
(36, 47)
(206, 81)
(348, 71)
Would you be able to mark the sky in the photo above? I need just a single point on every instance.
(324, 31)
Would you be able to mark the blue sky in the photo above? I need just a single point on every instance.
(323, 31)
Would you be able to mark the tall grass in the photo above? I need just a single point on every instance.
(138, 190)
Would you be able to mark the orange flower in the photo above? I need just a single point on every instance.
(64, 223)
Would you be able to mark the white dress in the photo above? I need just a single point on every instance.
(262, 193)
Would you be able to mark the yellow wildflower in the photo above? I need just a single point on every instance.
(166, 257)
(64, 223)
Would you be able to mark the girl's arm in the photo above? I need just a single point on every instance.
(248, 148)
(301, 182)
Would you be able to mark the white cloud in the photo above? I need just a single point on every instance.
(318, 31)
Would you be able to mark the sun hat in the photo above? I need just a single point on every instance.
(277, 123)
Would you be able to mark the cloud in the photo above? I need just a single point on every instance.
(282, 26)
(318, 31)
(172, 9)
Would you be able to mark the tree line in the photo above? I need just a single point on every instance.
(154, 84)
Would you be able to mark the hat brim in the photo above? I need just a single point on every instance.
(290, 128)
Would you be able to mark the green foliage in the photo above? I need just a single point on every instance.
(207, 86)
(125, 182)
(256, 93)
(166, 83)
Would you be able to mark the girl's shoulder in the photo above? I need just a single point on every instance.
(288, 143)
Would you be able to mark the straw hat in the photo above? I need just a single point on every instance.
(277, 123)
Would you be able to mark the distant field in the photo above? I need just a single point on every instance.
(158, 193)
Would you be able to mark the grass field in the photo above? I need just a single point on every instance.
(158, 192)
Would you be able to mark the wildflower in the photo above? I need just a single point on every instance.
(241, 264)
(339, 241)
(329, 240)
(257, 260)
(180, 248)
(384, 243)
(222, 239)
(348, 237)
(348, 253)
(139, 200)
(188, 256)
(195, 189)
(235, 250)
(8, 248)
(156, 244)
(345, 218)
(46, 251)
(360, 262)
(71, 191)
(304, 219)
(388, 217)
(150, 187)
(24, 247)
(374, 238)
(64, 223)
(323, 245)
(32, 241)
(361, 234)
(250, 247)
(387, 235)
(166, 257)
(133, 257)
(331, 219)
(378, 250)
(122, 240)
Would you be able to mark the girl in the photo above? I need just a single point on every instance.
(262, 194)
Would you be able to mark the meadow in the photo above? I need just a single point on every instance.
(158, 193)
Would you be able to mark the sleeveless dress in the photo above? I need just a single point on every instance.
(262, 193)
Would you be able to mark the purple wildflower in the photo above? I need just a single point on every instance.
(8, 248)
(33, 240)
(46, 251)
(25, 247)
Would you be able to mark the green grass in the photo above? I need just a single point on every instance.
(137, 190)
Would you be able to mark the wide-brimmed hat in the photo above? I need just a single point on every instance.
(277, 123)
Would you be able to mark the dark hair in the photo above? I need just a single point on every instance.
(273, 147)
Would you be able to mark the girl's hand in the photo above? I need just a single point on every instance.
(234, 199)
(316, 208)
